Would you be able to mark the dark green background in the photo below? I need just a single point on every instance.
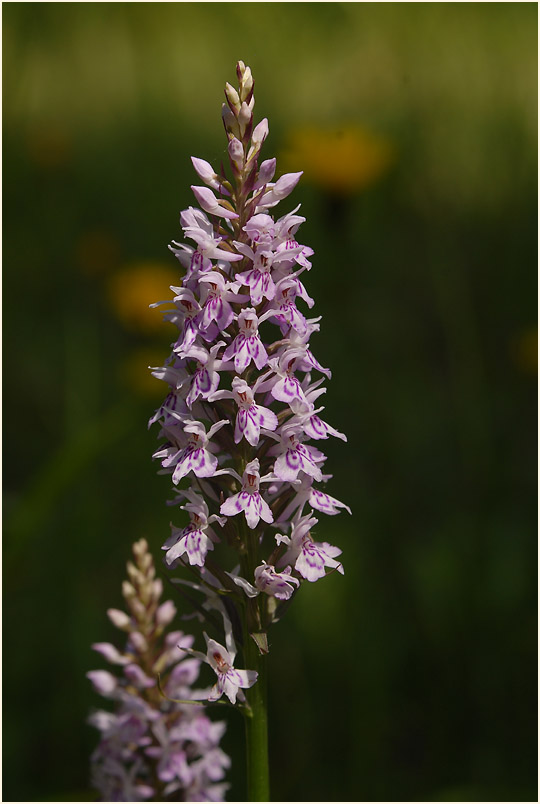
(414, 676)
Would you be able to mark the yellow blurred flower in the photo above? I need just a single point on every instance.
(343, 160)
(524, 350)
(131, 291)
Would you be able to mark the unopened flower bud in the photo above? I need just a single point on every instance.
(138, 641)
(266, 173)
(210, 203)
(147, 566)
(260, 132)
(119, 618)
(244, 119)
(140, 547)
(236, 152)
(110, 652)
(128, 591)
(208, 175)
(240, 69)
(138, 609)
(166, 613)
(232, 97)
(246, 81)
(135, 575)
(281, 189)
(103, 681)
(205, 170)
(137, 677)
(229, 121)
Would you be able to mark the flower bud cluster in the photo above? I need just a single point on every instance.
(240, 420)
(152, 747)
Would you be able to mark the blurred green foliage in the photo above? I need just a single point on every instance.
(414, 676)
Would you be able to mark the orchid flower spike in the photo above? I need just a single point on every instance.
(242, 356)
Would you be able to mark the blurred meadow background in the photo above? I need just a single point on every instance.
(414, 676)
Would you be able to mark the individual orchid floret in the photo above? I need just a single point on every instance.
(173, 409)
(198, 261)
(283, 385)
(284, 306)
(283, 274)
(247, 346)
(205, 379)
(217, 295)
(314, 427)
(296, 341)
(250, 417)
(267, 580)
(287, 226)
(185, 318)
(193, 261)
(249, 500)
(293, 456)
(277, 584)
(308, 557)
(285, 240)
(195, 456)
(211, 204)
(325, 503)
(305, 493)
(194, 219)
(191, 541)
(210, 246)
(229, 680)
(259, 278)
(197, 538)
(260, 230)
(310, 423)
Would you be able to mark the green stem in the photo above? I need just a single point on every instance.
(258, 783)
